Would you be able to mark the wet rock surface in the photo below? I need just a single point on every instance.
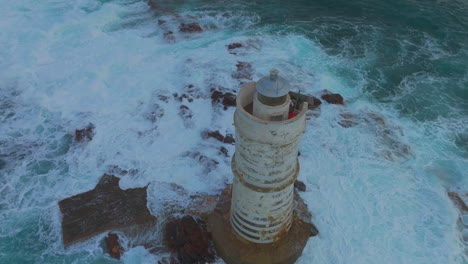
(222, 150)
(233, 46)
(458, 201)
(244, 71)
(190, 28)
(113, 245)
(189, 241)
(105, 208)
(332, 98)
(208, 164)
(85, 134)
(154, 113)
(300, 186)
(186, 114)
(228, 139)
(226, 99)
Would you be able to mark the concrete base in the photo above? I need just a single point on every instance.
(236, 250)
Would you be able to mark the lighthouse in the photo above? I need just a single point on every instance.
(262, 220)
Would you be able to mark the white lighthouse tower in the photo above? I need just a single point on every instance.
(265, 163)
(262, 220)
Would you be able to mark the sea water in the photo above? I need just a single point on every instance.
(377, 188)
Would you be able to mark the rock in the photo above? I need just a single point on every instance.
(348, 120)
(190, 28)
(231, 47)
(181, 97)
(169, 36)
(207, 163)
(106, 207)
(223, 150)
(300, 186)
(186, 114)
(313, 230)
(155, 113)
(332, 98)
(298, 99)
(213, 134)
(116, 170)
(201, 205)
(227, 99)
(152, 4)
(188, 240)
(229, 139)
(244, 71)
(163, 98)
(85, 134)
(113, 246)
(234, 46)
(458, 201)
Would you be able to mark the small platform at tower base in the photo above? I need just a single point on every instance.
(236, 250)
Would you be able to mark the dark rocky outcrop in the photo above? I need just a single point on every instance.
(332, 98)
(113, 246)
(233, 46)
(300, 186)
(85, 134)
(458, 201)
(190, 28)
(106, 207)
(298, 99)
(189, 241)
(228, 139)
(226, 99)
(224, 151)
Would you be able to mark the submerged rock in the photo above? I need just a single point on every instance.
(85, 134)
(223, 150)
(231, 47)
(234, 46)
(244, 71)
(113, 245)
(186, 114)
(189, 241)
(208, 164)
(190, 28)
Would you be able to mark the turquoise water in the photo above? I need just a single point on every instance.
(378, 190)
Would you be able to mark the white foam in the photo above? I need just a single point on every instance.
(90, 63)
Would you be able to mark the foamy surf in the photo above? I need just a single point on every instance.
(377, 189)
